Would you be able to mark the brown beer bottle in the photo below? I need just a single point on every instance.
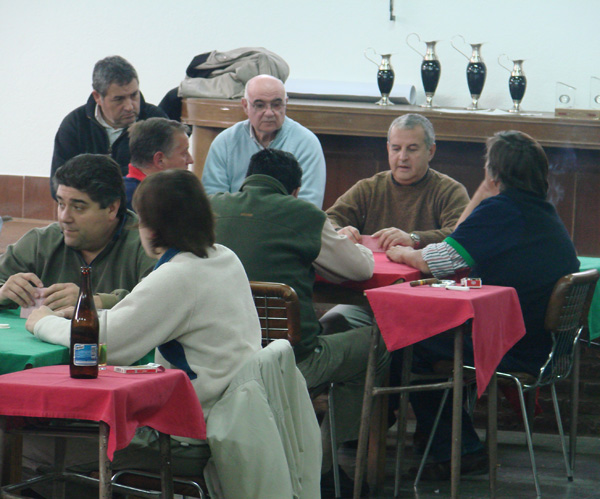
(85, 330)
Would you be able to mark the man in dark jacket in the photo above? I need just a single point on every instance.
(100, 126)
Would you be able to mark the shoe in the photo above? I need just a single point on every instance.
(474, 463)
(346, 485)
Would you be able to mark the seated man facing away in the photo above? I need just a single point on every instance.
(280, 238)
(195, 307)
(155, 144)
(100, 125)
(93, 229)
(410, 204)
(267, 125)
(509, 235)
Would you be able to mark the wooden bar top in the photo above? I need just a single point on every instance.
(370, 120)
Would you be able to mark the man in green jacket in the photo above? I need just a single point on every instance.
(92, 230)
(280, 238)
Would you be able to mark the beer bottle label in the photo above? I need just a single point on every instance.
(85, 354)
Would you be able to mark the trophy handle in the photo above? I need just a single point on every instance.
(500, 62)
(456, 48)
(365, 54)
(408, 43)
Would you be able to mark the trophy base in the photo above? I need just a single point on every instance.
(385, 101)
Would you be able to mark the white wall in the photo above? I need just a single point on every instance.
(48, 49)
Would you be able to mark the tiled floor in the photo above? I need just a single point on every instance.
(514, 475)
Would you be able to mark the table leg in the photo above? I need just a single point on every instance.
(457, 403)
(405, 377)
(105, 466)
(166, 476)
(60, 452)
(492, 436)
(365, 418)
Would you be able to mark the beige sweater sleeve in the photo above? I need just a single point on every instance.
(340, 259)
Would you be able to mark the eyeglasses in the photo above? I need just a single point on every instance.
(261, 106)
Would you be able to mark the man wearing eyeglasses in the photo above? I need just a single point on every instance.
(267, 126)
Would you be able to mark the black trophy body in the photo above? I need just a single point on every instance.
(517, 85)
(476, 72)
(430, 74)
(385, 81)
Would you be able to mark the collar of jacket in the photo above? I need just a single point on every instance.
(264, 181)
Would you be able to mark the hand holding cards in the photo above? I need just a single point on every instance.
(39, 301)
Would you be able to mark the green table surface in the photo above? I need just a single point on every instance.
(588, 263)
(20, 350)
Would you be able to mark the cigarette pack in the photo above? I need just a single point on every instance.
(471, 282)
(147, 369)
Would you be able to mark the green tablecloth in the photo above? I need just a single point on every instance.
(19, 349)
(588, 263)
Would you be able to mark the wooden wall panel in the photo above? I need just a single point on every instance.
(37, 201)
(11, 195)
(353, 139)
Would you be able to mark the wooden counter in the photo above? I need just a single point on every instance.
(353, 136)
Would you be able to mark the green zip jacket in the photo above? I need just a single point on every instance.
(115, 271)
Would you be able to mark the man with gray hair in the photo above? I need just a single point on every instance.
(267, 126)
(155, 144)
(100, 126)
(408, 205)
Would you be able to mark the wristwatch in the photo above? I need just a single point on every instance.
(416, 239)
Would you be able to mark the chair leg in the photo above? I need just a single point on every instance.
(528, 437)
(333, 436)
(563, 442)
(574, 407)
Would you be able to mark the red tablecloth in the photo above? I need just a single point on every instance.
(164, 401)
(385, 273)
(408, 315)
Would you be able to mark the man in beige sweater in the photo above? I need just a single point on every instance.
(409, 205)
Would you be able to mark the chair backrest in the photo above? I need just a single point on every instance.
(278, 309)
(566, 317)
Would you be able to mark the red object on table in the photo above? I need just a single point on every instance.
(406, 315)
(164, 401)
(385, 273)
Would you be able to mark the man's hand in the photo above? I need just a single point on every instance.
(408, 256)
(21, 288)
(62, 295)
(392, 237)
(351, 233)
(36, 315)
(398, 254)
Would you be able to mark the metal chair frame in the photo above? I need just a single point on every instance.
(566, 317)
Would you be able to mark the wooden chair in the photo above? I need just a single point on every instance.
(566, 317)
(278, 309)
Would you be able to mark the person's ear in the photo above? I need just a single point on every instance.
(97, 97)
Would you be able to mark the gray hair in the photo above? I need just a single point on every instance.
(409, 122)
(147, 137)
(112, 69)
